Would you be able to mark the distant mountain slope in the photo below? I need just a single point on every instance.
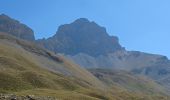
(127, 80)
(160, 72)
(125, 60)
(15, 28)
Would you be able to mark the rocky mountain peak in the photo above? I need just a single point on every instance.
(15, 28)
(82, 36)
(82, 26)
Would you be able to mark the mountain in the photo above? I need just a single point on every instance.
(27, 69)
(89, 45)
(14, 27)
(82, 36)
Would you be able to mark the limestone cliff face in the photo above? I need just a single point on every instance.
(15, 28)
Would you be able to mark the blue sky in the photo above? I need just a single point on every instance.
(142, 25)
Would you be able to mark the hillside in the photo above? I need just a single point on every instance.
(25, 69)
(90, 46)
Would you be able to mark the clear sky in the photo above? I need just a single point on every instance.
(142, 25)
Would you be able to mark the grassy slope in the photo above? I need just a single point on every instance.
(23, 70)
(19, 73)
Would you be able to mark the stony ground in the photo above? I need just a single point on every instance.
(27, 97)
